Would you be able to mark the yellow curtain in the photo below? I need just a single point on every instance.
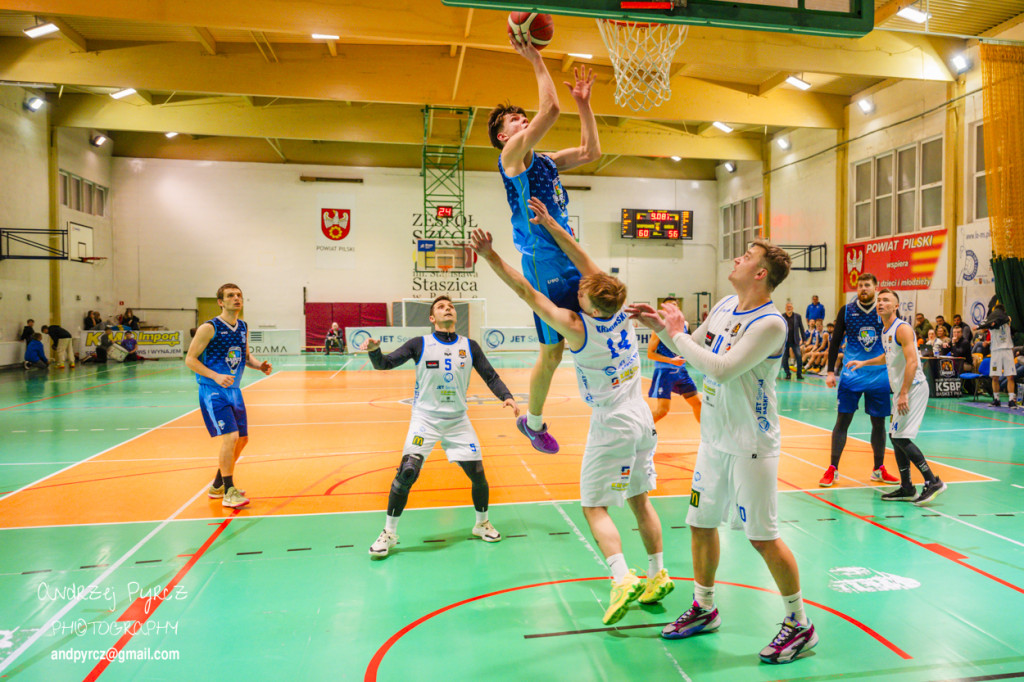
(1002, 72)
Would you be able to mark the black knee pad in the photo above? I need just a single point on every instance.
(406, 474)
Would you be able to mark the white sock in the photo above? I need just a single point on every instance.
(617, 562)
(704, 596)
(534, 421)
(481, 517)
(794, 604)
(391, 523)
(655, 562)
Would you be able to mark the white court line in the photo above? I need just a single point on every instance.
(1017, 486)
(6, 663)
(980, 428)
(147, 430)
(342, 368)
(363, 421)
(971, 525)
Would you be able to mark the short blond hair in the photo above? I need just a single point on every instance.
(608, 293)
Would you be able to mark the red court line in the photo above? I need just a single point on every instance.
(934, 548)
(79, 390)
(374, 665)
(142, 609)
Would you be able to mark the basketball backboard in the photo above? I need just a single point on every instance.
(845, 18)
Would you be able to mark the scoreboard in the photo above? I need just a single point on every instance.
(650, 224)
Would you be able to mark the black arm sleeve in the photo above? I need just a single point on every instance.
(487, 373)
(838, 334)
(410, 350)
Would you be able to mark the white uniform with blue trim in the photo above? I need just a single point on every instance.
(904, 425)
(1001, 347)
(439, 403)
(618, 460)
(736, 473)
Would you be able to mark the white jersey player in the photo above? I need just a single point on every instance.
(618, 460)
(909, 399)
(737, 348)
(1001, 364)
(444, 362)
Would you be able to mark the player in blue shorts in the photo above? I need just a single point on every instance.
(529, 176)
(218, 354)
(860, 326)
(669, 377)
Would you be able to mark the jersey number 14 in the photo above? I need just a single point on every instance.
(623, 344)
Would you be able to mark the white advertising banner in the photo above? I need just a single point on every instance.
(275, 341)
(152, 344)
(391, 338)
(508, 338)
(976, 300)
(974, 255)
(333, 225)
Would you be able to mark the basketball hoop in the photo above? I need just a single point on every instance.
(92, 260)
(444, 268)
(641, 55)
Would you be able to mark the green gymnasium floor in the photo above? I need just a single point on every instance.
(896, 592)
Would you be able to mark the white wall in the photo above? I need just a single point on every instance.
(183, 228)
(23, 204)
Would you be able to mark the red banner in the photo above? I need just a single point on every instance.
(901, 263)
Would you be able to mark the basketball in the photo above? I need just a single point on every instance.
(538, 27)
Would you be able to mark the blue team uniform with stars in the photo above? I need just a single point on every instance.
(863, 342)
(668, 378)
(223, 409)
(545, 265)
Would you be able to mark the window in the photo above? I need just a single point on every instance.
(76, 194)
(979, 195)
(898, 192)
(62, 187)
(99, 205)
(87, 189)
(742, 223)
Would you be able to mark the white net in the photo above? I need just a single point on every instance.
(641, 56)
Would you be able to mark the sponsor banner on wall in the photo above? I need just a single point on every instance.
(904, 262)
(976, 300)
(275, 341)
(391, 338)
(974, 255)
(152, 344)
(508, 338)
(333, 224)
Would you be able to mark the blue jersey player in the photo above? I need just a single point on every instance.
(859, 325)
(535, 176)
(218, 354)
(669, 377)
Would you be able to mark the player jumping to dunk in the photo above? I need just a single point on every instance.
(218, 354)
(444, 362)
(530, 175)
(618, 459)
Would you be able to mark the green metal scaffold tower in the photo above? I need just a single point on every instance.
(445, 131)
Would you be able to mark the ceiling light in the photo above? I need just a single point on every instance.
(98, 140)
(121, 94)
(866, 105)
(677, 158)
(324, 36)
(170, 135)
(783, 142)
(730, 166)
(798, 83)
(41, 30)
(580, 55)
(34, 103)
(721, 126)
(915, 15)
(960, 63)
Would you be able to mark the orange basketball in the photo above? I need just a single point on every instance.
(537, 27)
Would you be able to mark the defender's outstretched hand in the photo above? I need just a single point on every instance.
(370, 344)
(647, 316)
(584, 80)
(482, 242)
(511, 402)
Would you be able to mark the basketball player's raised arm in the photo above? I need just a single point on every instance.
(565, 322)
(566, 242)
(523, 142)
(590, 146)
(410, 350)
(204, 334)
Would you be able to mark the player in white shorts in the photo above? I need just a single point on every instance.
(618, 460)
(909, 399)
(444, 361)
(737, 348)
(1001, 364)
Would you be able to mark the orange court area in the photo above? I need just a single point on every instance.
(328, 442)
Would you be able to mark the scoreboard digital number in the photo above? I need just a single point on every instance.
(649, 224)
